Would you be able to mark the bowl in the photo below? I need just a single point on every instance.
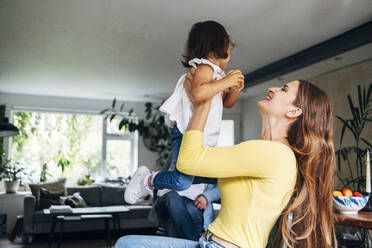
(349, 204)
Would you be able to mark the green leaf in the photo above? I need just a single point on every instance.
(354, 126)
(114, 103)
(366, 142)
(131, 111)
(148, 116)
(148, 105)
(351, 106)
(112, 117)
(338, 160)
(123, 122)
(345, 125)
(368, 97)
(342, 132)
(104, 111)
(360, 99)
(121, 107)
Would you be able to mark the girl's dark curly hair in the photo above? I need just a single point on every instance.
(206, 37)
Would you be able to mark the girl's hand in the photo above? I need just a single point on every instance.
(187, 86)
(238, 89)
(235, 79)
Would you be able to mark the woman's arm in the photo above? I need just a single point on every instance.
(255, 158)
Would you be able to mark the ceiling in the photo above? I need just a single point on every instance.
(132, 49)
(352, 57)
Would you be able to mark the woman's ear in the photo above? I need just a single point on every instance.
(294, 112)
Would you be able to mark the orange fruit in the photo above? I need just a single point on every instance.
(357, 194)
(347, 192)
(337, 193)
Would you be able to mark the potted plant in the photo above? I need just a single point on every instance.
(11, 175)
(85, 180)
(361, 116)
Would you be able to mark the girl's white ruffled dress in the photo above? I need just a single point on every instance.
(178, 108)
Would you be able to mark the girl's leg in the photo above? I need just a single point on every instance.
(176, 180)
(138, 187)
(173, 180)
(142, 241)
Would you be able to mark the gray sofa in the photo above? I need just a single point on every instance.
(35, 222)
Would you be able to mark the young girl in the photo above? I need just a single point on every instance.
(207, 50)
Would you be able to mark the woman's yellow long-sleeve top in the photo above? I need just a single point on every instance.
(256, 180)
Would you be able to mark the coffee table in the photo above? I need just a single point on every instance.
(97, 213)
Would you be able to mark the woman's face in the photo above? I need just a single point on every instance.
(279, 100)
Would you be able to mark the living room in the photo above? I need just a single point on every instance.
(82, 82)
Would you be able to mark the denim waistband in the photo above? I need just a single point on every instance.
(205, 243)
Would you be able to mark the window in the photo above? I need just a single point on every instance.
(119, 154)
(88, 142)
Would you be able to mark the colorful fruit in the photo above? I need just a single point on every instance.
(337, 193)
(347, 192)
(357, 194)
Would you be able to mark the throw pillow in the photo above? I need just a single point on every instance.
(48, 198)
(75, 200)
(57, 186)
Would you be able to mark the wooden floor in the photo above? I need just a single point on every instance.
(75, 240)
(81, 243)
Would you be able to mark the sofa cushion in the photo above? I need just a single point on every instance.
(49, 198)
(90, 194)
(57, 186)
(112, 195)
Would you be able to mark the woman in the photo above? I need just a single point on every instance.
(257, 178)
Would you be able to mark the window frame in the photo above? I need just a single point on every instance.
(131, 136)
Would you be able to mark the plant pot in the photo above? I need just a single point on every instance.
(11, 186)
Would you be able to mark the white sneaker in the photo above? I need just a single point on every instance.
(138, 188)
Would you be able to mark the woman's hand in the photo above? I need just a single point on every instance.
(201, 202)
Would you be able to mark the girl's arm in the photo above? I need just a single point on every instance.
(203, 87)
(231, 95)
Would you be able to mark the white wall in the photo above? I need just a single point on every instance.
(251, 119)
(337, 84)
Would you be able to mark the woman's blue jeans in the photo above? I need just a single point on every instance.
(176, 180)
(142, 241)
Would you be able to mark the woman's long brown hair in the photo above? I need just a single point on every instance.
(311, 139)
